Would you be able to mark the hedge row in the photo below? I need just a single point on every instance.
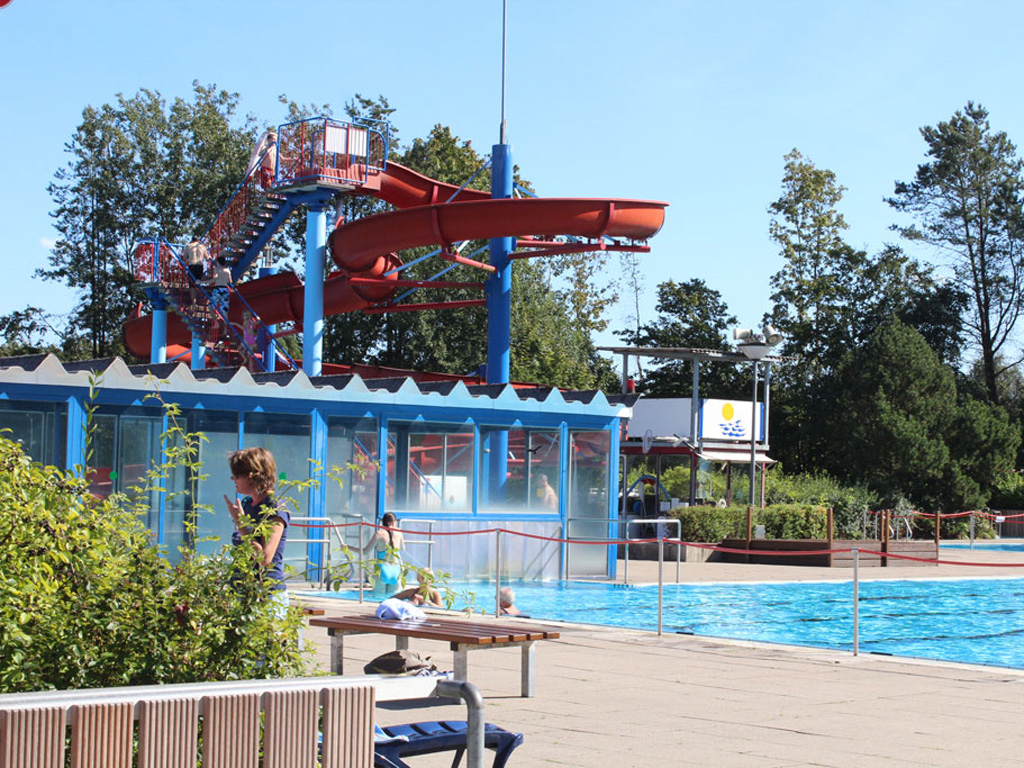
(781, 521)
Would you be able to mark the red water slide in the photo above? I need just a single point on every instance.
(366, 248)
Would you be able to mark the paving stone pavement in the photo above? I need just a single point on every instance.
(614, 698)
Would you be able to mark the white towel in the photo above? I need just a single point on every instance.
(393, 608)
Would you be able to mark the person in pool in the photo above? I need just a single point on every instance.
(425, 593)
(507, 600)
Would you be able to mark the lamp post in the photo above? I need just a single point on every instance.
(755, 347)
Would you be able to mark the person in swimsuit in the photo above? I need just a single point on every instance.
(388, 544)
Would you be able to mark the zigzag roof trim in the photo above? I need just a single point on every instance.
(114, 373)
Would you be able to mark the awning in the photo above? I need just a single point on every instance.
(735, 457)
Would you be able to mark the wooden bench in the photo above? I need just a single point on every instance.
(285, 723)
(462, 635)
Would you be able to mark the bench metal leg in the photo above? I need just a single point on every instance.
(528, 671)
(337, 653)
(461, 664)
(401, 643)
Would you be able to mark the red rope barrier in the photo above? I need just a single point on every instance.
(676, 542)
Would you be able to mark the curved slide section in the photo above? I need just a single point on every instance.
(405, 188)
(366, 247)
(358, 245)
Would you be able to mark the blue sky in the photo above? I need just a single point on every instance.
(693, 103)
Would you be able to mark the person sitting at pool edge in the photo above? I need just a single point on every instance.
(424, 594)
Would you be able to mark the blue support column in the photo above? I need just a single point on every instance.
(382, 474)
(499, 284)
(268, 346)
(74, 454)
(313, 308)
(564, 507)
(614, 472)
(158, 337)
(499, 315)
(198, 353)
(317, 493)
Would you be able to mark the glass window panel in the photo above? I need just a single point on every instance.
(532, 469)
(101, 451)
(208, 514)
(287, 436)
(351, 491)
(139, 443)
(589, 485)
(430, 466)
(39, 428)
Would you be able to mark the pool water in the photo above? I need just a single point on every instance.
(977, 621)
(989, 546)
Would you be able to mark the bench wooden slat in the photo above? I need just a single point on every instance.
(448, 630)
(463, 636)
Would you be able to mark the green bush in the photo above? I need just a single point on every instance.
(788, 521)
(793, 521)
(87, 600)
(710, 524)
(1008, 492)
(850, 504)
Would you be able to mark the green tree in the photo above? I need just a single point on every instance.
(25, 332)
(138, 169)
(690, 314)
(896, 424)
(812, 288)
(830, 298)
(967, 203)
(549, 342)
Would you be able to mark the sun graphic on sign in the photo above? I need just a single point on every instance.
(731, 426)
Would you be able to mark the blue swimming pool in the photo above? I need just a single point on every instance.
(988, 546)
(977, 621)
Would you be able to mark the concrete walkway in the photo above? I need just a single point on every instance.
(615, 698)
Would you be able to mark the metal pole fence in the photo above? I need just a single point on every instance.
(661, 581)
(497, 573)
(856, 601)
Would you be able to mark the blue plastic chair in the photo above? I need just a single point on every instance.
(394, 742)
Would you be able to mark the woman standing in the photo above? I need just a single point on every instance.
(388, 545)
(258, 517)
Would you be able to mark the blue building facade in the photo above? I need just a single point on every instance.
(426, 451)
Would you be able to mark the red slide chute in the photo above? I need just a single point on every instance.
(366, 248)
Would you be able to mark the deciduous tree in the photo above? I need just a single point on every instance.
(898, 424)
(690, 314)
(137, 169)
(967, 204)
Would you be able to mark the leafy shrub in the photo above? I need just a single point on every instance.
(793, 521)
(790, 521)
(87, 600)
(850, 504)
(711, 524)
(1008, 492)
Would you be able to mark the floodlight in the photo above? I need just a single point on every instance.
(742, 334)
(771, 335)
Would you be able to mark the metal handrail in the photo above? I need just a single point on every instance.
(620, 521)
(668, 520)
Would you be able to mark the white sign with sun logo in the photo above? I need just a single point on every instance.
(728, 420)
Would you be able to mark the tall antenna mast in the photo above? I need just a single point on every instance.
(504, 23)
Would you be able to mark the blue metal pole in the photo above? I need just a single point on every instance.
(158, 337)
(75, 448)
(499, 284)
(499, 315)
(198, 353)
(269, 345)
(313, 308)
